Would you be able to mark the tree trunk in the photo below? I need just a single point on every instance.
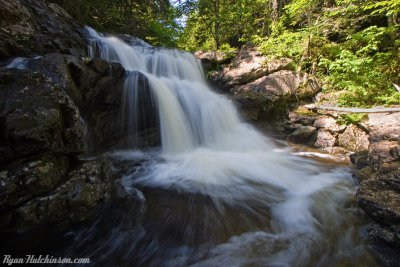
(275, 10)
(217, 26)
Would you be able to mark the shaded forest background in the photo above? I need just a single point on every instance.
(353, 46)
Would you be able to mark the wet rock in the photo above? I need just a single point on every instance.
(96, 88)
(353, 139)
(324, 139)
(380, 233)
(364, 174)
(85, 189)
(22, 182)
(303, 134)
(379, 198)
(385, 242)
(30, 27)
(360, 159)
(253, 106)
(37, 116)
(103, 109)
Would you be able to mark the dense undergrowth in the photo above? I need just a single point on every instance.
(352, 46)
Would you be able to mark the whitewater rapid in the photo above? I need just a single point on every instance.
(208, 150)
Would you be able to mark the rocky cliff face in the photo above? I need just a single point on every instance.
(32, 27)
(54, 110)
(261, 88)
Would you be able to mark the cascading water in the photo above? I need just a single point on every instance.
(219, 193)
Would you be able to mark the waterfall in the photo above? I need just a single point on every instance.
(206, 146)
(218, 183)
(191, 115)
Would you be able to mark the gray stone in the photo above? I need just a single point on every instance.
(353, 139)
(303, 134)
(384, 126)
(329, 124)
(324, 139)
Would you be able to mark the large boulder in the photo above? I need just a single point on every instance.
(303, 134)
(262, 88)
(104, 89)
(247, 66)
(77, 199)
(353, 139)
(270, 93)
(380, 198)
(36, 115)
(384, 126)
(32, 27)
(97, 89)
(51, 108)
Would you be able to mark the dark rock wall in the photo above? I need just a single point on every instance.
(53, 112)
(35, 27)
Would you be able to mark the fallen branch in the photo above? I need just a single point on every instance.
(397, 87)
(351, 110)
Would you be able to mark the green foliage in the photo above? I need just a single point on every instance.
(228, 51)
(152, 20)
(212, 23)
(388, 7)
(287, 44)
(353, 118)
(361, 68)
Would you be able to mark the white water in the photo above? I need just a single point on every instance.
(207, 149)
(20, 63)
